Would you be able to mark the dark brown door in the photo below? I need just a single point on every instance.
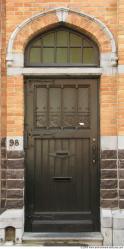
(61, 145)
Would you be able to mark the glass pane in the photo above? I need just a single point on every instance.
(88, 56)
(75, 40)
(62, 38)
(48, 55)
(62, 55)
(35, 55)
(37, 43)
(86, 43)
(75, 55)
(48, 40)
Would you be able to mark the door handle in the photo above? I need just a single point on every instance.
(94, 153)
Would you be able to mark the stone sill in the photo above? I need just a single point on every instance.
(55, 71)
(78, 235)
(84, 238)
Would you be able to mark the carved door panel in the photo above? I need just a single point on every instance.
(61, 147)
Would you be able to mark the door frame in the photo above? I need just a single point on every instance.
(70, 76)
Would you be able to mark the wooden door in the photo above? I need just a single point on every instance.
(61, 145)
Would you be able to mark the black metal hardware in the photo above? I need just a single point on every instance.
(61, 154)
(35, 134)
(62, 179)
(94, 153)
(26, 140)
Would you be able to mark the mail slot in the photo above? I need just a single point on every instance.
(62, 153)
(62, 179)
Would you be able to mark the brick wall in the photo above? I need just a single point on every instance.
(106, 11)
(2, 102)
(120, 99)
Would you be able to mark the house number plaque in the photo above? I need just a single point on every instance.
(14, 143)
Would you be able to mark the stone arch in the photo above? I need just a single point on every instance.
(29, 28)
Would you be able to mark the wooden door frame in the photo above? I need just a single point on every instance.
(98, 125)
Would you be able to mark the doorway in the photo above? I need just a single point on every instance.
(61, 147)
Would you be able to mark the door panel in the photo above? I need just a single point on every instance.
(61, 155)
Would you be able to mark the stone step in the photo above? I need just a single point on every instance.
(59, 239)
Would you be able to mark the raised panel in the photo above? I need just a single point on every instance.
(41, 107)
(69, 107)
(62, 180)
(84, 106)
(55, 107)
(66, 106)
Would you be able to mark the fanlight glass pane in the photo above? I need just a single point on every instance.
(35, 55)
(62, 38)
(87, 44)
(48, 55)
(48, 40)
(62, 55)
(62, 47)
(75, 55)
(75, 40)
(88, 56)
(37, 43)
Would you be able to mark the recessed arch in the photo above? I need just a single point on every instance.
(83, 22)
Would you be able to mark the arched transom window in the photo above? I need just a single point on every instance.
(62, 47)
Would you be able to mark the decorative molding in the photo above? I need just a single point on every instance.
(68, 71)
(108, 63)
(62, 14)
